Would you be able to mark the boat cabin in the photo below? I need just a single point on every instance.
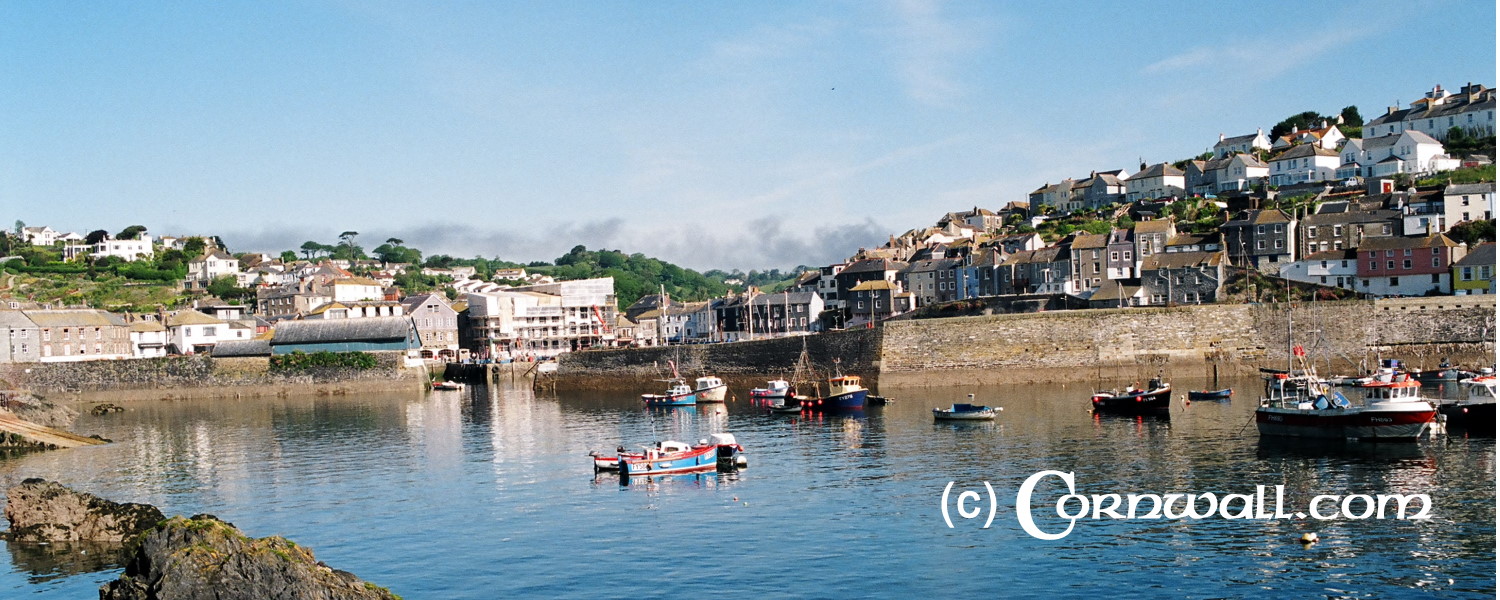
(670, 446)
(1399, 391)
(679, 389)
(843, 383)
(705, 383)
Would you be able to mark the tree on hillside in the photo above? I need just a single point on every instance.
(194, 246)
(1351, 116)
(1301, 121)
(347, 237)
(96, 236)
(288, 257)
(1473, 232)
(310, 249)
(20, 226)
(131, 233)
(395, 241)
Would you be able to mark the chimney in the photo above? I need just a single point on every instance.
(1221, 136)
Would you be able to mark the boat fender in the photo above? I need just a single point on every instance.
(1308, 538)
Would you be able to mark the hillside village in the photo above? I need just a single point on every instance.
(1401, 205)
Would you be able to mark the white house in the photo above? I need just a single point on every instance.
(1469, 202)
(148, 339)
(355, 289)
(212, 265)
(1326, 136)
(39, 236)
(192, 332)
(1235, 173)
(1303, 163)
(1337, 268)
(1411, 152)
(1437, 112)
(140, 248)
(1242, 144)
(1157, 181)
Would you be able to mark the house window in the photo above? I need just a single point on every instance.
(1338, 231)
(46, 335)
(1390, 253)
(1390, 265)
(1366, 282)
(1395, 281)
(1323, 279)
(1278, 244)
(1436, 278)
(1260, 229)
(1406, 252)
(1385, 230)
(1313, 247)
(1312, 231)
(1406, 264)
(1260, 244)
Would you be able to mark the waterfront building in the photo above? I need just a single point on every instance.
(192, 332)
(1403, 266)
(1304, 163)
(1344, 225)
(20, 338)
(1242, 144)
(1090, 259)
(69, 335)
(1336, 268)
(1475, 272)
(1182, 278)
(148, 338)
(437, 324)
(376, 334)
(1161, 180)
(212, 264)
(362, 309)
(1411, 152)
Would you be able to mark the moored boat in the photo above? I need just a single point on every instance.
(789, 404)
(1223, 394)
(678, 394)
(775, 388)
(1298, 404)
(719, 451)
(1154, 399)
(1475, 413)
(844, 393)
(965, 412)
(710, 389)
(447, 385)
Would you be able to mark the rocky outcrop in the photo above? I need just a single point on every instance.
(36, 409)
(45, 511)
(204, 558)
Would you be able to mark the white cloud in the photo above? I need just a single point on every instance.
(928, 48)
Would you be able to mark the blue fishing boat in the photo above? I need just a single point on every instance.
(679, 394)
(965, 412)
(720, 451)
(1223, 394)
(844, 393)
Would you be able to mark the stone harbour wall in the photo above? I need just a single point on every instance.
(1193, 341)
(180, 375)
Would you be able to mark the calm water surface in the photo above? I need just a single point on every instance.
(487, 493)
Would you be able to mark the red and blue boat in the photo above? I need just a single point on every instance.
(719, 451)
(1154, 399)
(678, 394)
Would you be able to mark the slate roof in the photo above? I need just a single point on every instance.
(1182, 260)
(370, 329)
(1401, 243)
(1483, 254)
(1259, 217)
(1153, 226)
(146, 325)
(191, 317)
(238, 348)
(877, 284)
(1239, 139)
(1087, 240)
(15, 319)
(1304, 151)
(1156, 170)
(1469, 188)
(70, 318)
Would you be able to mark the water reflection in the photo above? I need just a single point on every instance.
(501, 476)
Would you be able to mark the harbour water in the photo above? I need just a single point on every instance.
(488, 492)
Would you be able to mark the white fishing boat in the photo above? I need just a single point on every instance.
(710, 389)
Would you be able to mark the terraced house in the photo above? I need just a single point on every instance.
(70, 335)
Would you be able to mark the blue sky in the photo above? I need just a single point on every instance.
(713, 135)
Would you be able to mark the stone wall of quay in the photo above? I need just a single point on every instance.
(198, 375)
(1192, 341)
(857, 352)
(1186, 341)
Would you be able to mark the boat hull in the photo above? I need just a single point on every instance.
(1476, 418)
(1369, 424)
(713, 394)
(664, 400)
(1223, 394)
(1154, 402)
(948, 415)
(854, 400)
(697, 460)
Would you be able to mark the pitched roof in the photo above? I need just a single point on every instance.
(1181, 260)
(1156, 170)
(1239, 139)
(234, 348)
(146, 325)
(1089, 240)
(1469, 188)
(1483, 254)
(190, 317)
(1303, 151)
(1153, 226)
(1401, 243)
(876, 284)
(69, 318)
(369, 329)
